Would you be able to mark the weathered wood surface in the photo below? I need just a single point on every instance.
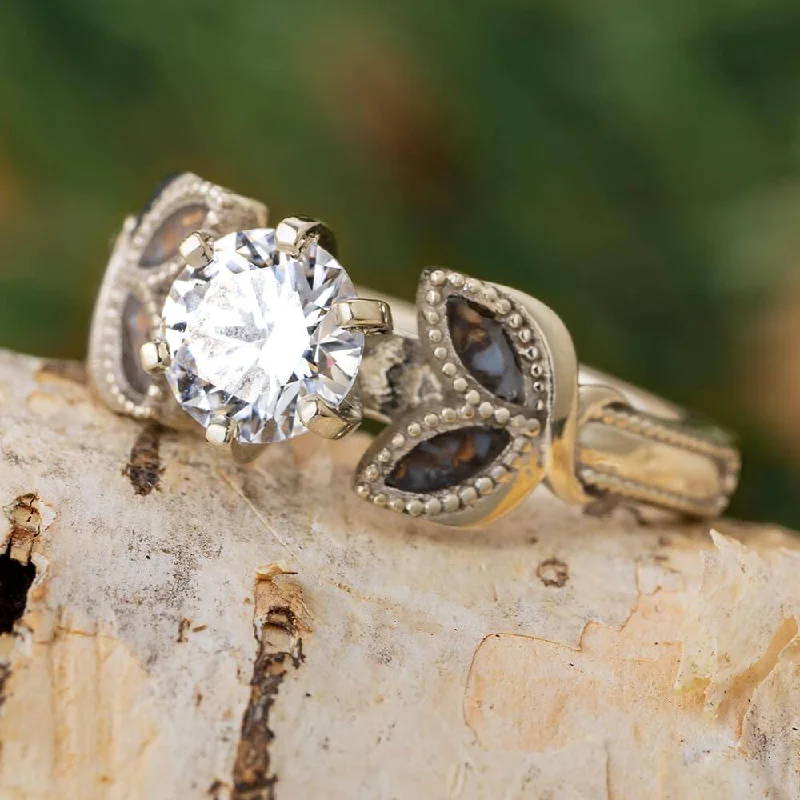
(198, 629)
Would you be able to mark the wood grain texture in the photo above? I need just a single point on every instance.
(200, 629)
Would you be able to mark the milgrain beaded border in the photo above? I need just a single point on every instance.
(623, 487)
(436, 286)
(113, 371)
(381, 459)
(661, 432)
(726, 458)
(105, 356)
(472, 403)
(225, 212)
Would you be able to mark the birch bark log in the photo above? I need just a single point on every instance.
(175, 626)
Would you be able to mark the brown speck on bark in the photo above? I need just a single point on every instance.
(553, 572)
(71, 371)
(144, 468)
(183, 627)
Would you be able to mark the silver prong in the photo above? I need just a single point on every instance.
(295, 234)
(155, 356)
(197, 249)
(362, 314)
(221, 431)
(244, 453)
(330, 422)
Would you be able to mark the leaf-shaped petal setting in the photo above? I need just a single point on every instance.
(438, 460)
(448, 459)
(486, 344)
(480, 447)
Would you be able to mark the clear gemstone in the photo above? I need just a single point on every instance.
(253, 332)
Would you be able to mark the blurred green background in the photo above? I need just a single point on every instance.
(636, 165)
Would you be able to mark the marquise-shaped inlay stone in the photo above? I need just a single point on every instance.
(136, 330)
(485, 349)
(171, 232)
(447, 459)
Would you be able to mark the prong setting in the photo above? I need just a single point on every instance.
(327, 420)
(293, 235)
(197, 249)
(221, 431)
(362, 314)
(155, 356)
(248, 269)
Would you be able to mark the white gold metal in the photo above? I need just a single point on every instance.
(197, 249)
(327, 420)
(155, 356)
(590, 437)
(360, 313)
(464, 442)
(295, 234)
(221, 431)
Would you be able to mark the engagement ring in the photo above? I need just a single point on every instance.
(208, 316)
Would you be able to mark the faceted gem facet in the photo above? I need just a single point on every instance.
(485, 349)
(171, 232)
(447, 459)
(135, 331)
(254, 332)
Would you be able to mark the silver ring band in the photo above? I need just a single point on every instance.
(465, 440)
(630, 444)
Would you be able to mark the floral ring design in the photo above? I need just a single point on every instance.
(208, 316)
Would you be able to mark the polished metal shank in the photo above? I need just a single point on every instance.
(611, 441)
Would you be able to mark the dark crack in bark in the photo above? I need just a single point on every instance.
(17, 571)
(144, 468)
(5, 674)
(278, 632)
(15, 580)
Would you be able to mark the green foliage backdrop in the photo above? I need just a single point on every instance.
(633, 164)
